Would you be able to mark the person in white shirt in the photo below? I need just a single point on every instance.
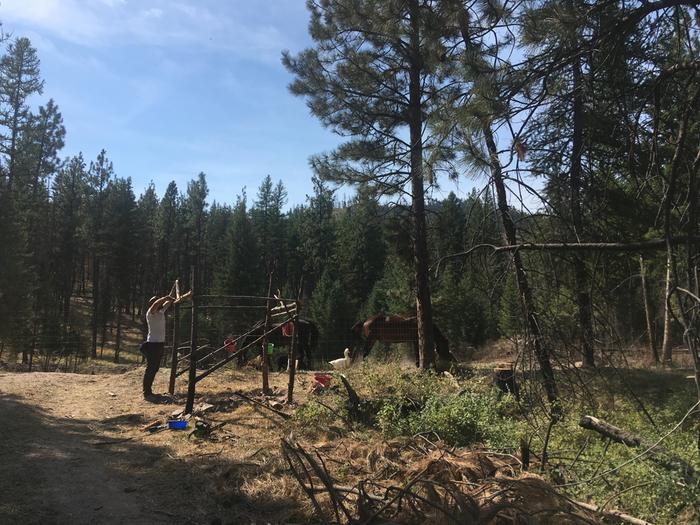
(154, 345)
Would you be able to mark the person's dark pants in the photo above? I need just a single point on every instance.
(154, 354)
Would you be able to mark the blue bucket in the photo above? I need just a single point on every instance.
(177, 424)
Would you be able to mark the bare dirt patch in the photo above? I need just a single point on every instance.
(73, 451)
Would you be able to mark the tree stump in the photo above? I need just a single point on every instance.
(504, 379)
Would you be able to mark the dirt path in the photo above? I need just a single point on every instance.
(72, 450)
(60, 458)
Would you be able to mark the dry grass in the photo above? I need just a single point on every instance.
(238, 474)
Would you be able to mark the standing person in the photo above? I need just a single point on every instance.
(154, 345)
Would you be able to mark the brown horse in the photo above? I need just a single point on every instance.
(397, 329)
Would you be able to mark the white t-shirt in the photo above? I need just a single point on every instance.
(156, 326)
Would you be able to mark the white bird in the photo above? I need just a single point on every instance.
(341, 364)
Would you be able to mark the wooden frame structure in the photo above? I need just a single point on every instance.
(278, 312)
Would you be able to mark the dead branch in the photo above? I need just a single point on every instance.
(656, 452)
(352, 394)
(612, 513)
(637, 246)
(610, 431)
(283, 415)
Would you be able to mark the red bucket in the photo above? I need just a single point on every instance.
(323, 379)
(288, 329)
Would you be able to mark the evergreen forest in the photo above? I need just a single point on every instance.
(574, 253)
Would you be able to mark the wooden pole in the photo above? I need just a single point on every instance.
(647, 310)
(292, 361)
(264, 355)
(176, 344)
(192, 380)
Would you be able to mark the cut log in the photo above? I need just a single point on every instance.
(656, 453)
(610, 431)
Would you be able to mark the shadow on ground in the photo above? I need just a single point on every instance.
(61, 470)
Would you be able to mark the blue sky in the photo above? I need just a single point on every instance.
(174, 87)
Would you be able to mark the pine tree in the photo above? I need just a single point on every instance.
(360, 250)
(99, 175)
(147, 223)
(218, 221)
(19, 80)
(121, 220)
(317, 232)
(195, 209)
(240, 266)
(169, 238)
(373, 76)
(331, 312)
(68, 200)
(269, 227)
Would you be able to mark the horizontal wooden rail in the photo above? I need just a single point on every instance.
(235, 354)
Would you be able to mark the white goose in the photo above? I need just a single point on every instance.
(341, 364)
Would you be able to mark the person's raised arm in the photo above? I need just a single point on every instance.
(160, 303)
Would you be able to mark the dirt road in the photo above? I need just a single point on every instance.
(72, 451)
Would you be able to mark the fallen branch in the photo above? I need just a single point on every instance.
(655, 451)
(283, 415)
(610, 431)
(353, 398)
(153, 424)
(613, 513)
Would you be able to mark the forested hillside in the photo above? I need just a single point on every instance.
(520, 179)
(605, 125)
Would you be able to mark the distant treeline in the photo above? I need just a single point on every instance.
(601, 106)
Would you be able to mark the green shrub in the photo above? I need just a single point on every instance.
(643, 488)
(313, 417)
(459, 419)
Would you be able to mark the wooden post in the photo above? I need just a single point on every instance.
(265, 358)
(292, 361)
(192, 380)
(647, 311)
(33, 349)
(176, 344)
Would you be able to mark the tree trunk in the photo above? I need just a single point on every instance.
(424, 310)
(103, 337)
(653, 350)
(583, 298)
(510, 237)
(118, 338)
(667, 208)
(35, 329)
(95, 304)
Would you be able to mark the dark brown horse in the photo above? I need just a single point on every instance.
(397, 329)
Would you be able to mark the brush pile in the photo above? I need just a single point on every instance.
(421, 482)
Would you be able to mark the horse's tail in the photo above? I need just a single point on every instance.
(442, 345)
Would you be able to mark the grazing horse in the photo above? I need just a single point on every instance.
(307, 339)
(397, 329)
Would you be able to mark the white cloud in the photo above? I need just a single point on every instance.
(153, 12)
(63, 18)
(258, 34)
